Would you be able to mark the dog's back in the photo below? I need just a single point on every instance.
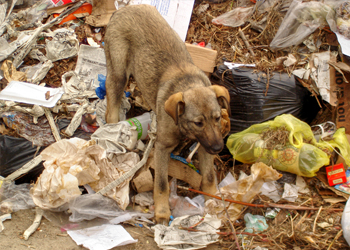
(151, 45)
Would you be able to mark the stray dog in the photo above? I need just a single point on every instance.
(139, 42)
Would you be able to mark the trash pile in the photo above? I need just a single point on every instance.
(283, 178)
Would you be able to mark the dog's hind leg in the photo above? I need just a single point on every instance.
(116, 81)
(206, 166)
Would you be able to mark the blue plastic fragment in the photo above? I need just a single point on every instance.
(101, 90)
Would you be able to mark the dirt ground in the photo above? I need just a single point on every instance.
(49, 236)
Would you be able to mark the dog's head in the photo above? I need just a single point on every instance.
(198, 114)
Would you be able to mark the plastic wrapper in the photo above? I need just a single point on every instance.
(181, 206)
(234, 18)
(345, 222)
(14, 197)
(303, 18)
(249, 105)
(39, 134)
(297, 153)
(255, 223)
(242, 190)
(90, 206)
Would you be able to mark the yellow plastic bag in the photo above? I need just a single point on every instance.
(286, 144)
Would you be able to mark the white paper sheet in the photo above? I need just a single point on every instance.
(31, 94)
(176, 12)
(101, 237)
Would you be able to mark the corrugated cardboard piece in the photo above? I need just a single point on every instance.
(102, 11)
(203, 58)
(180, 171)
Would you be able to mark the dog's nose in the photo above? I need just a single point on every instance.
(216, 148)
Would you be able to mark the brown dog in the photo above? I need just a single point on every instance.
(139, 42)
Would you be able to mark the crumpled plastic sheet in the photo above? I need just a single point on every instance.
(90, 206)
(241, 190)
(76, 162)
(14, 197)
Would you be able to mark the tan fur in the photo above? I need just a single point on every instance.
(139, 42)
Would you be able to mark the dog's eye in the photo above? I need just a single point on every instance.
(199, 124)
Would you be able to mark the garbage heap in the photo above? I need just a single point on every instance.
(282, 177)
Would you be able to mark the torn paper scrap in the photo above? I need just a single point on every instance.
(64, 44)
(112, 170)
(68, 165)
(176, 12)
(91, 62)
(227, 180)
(290, 192)
(242, 190)
(270, 190)
(101, 237)
(173, 237)
(321, 73)
(31, 94)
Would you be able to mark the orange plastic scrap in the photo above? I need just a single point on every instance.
(85, 8)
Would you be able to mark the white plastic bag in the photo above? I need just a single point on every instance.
(345, 222)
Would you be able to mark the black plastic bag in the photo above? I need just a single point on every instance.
(14, 153)
(249, 105)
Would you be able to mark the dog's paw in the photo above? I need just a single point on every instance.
(162, 215)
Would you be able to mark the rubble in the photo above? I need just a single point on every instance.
(52, 66)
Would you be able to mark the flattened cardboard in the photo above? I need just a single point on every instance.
(180, 171)
(343, 108)
(203, 58)
(144, 181)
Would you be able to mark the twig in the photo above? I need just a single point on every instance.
(265, 205)
(318, 213)
(311, 90)
(52, 123)
(36, 223)
(335, 238)
(223, 233)
(291, 221)
(268, 81)
(245, 40)
(229, 221)
(301, 220)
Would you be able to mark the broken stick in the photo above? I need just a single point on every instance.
(245, 40)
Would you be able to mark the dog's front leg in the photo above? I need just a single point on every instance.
(161, 185)
(206, 166)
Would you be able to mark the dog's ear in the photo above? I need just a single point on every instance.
(175, 106)
(223, 97)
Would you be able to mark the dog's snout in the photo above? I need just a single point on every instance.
(216, 148)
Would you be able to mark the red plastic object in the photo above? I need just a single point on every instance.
(61, 2)
(201, 44)
(336, 174)
(85, 8)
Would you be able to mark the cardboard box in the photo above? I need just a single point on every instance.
(343, 108)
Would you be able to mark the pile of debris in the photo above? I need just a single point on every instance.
(282, 177)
